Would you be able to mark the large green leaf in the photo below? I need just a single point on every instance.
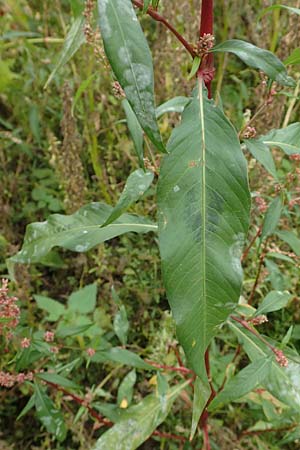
(128, 53)
(78, 232)
(258, 58)
(74, 39)
(204, 203)
(288, 139)
(136, 185)
(245, 381)
(138, 422)
(282, 382)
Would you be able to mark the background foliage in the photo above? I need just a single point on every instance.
(67, 145)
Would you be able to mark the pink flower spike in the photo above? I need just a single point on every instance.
(54, 349)
(25, 343)
(90, 352)
(49, 336)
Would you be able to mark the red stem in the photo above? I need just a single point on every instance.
(206, 70)
(171, 368)
(154, 14)
(207, 17)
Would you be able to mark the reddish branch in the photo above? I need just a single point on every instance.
(156, 16)
(182, 369)
(245, 254)
(102, 420)
(260, 265)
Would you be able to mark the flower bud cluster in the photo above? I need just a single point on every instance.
(9, 311)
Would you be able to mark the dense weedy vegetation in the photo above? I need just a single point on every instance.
(81, 334)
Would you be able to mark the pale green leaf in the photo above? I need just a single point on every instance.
(121, 324)
(282, 382)
(54, 308)
(50, 417)
(287, 337)
(129, 55)
(74, 39)
(146, 5)
(195, 67)
(274, 301)
(29, 405)
(136, 131)
(79, 232)
(204, 203)
(57, 379)
(273, 7)
(122, 356)
(291, 239)
(245, 381)
(138, 422)
(258, 58)
(262, 154)
(81, 89)
(64, 332)
(136, 185)
(176, 104)
(272, 217)
(293, 58)
(202, 393)
(288, 139)
(83, 300)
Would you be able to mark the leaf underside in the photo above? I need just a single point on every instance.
(129, 55)
(204, 204)
(78, 232)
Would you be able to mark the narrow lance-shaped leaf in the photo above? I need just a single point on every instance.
(282, 382)
(272, 218)
(176, 104)
(74, 39)
(204, 203)
(129, 55)
(138, 422)
(262, 154)
(136, 185)
(273, 7)
(293, 58)
(258, 58)
(287, 139)
(274, 301)
(79, 232)
(245, 381)
(291, 239)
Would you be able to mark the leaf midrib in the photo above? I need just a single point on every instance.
(203, 202)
